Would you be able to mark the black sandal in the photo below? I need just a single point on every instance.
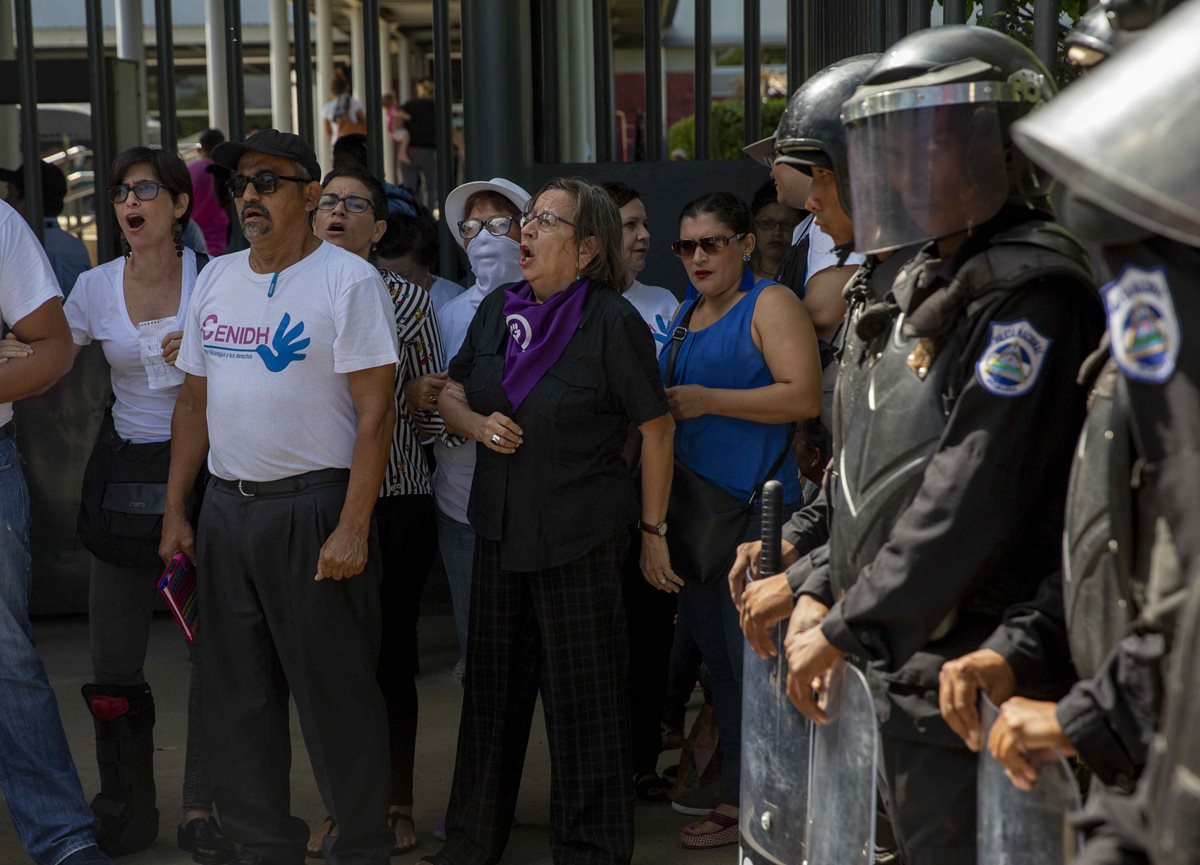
(651, 788)
(395, 817)
(320, 854)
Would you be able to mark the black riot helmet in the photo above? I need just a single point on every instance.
(1136, 14)
(927, 135)
(810, 132)
(1092, 40)
(1125, 136)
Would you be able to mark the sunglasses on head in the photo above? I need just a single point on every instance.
(353, 203)
(147, 190)
(711, 245)
(265, 182)
(497, 225)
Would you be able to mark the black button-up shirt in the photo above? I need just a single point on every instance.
(567, 487)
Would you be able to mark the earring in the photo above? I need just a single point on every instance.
(746, 257)
(177, 233)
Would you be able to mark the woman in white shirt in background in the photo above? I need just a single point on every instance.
(133, 306)
(656, 305)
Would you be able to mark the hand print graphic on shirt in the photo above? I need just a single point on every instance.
(288, 346)
(663, 332)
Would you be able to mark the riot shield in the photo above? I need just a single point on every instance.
(775, 737)
(1018, 827)
(841, 805)
(776, 742)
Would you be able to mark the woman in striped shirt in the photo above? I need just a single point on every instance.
(351, 213)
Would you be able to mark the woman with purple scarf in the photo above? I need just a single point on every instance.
(554, 373)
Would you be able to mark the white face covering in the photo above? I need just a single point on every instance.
(495, 261)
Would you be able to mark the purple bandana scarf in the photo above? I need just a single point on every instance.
(538, 334)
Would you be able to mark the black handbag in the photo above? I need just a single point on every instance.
(124, 494)
(706, 522)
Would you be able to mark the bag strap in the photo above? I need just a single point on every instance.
(775, 466)
(678, 335)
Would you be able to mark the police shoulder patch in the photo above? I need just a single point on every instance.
(1012, 359)
(1142, 327)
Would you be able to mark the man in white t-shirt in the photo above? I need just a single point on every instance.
(289, 349)
(39, 780)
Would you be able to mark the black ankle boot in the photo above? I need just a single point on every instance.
(125, 806)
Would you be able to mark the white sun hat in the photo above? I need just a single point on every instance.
(456, 201)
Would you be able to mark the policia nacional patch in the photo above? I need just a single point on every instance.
(1142, 327)
(1013, 358)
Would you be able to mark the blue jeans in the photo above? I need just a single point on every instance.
(37, 775)
(707, 611)
(457, 543)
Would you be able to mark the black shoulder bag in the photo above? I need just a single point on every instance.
(706, 522)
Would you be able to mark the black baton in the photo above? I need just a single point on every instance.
(771, 562)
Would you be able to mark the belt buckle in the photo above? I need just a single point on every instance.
(243, 491)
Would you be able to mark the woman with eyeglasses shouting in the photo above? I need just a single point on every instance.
(741, 370)
(133, 306)
(554, 372)
(352, 213)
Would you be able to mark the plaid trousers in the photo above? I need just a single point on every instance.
(563, 628)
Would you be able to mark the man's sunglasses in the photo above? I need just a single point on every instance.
(354, 203)
(147, 190)
(497, 225)
(711, 245)
(265, 182)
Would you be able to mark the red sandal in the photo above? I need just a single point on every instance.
(727, 834)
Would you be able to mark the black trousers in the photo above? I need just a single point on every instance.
(271, 630)
(564, 625)
(929, 793)
(651, 617)
(408, 545)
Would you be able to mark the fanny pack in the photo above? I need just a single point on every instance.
(123, 498)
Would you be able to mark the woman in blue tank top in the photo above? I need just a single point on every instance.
(747, 369)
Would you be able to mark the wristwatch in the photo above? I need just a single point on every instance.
(652, 529)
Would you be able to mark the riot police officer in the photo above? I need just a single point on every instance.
(946, 501)
(810, 140)
(1132, 534)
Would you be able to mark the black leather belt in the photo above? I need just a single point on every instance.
(283, 485)
(8, 429)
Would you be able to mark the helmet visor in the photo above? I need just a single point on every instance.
(1125, 136)
(922, 173)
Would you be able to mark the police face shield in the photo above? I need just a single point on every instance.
(925, 163)
(1126, 136)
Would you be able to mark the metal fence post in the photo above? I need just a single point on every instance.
(27, 74)
(165, 31)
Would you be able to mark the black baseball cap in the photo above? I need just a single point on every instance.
(272, 142)
(54, 185)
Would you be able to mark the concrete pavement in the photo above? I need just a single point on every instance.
(63, 644)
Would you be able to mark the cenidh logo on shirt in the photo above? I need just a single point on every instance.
(242, 342)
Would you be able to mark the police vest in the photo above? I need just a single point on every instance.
(1103, 586)
(909, 372)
